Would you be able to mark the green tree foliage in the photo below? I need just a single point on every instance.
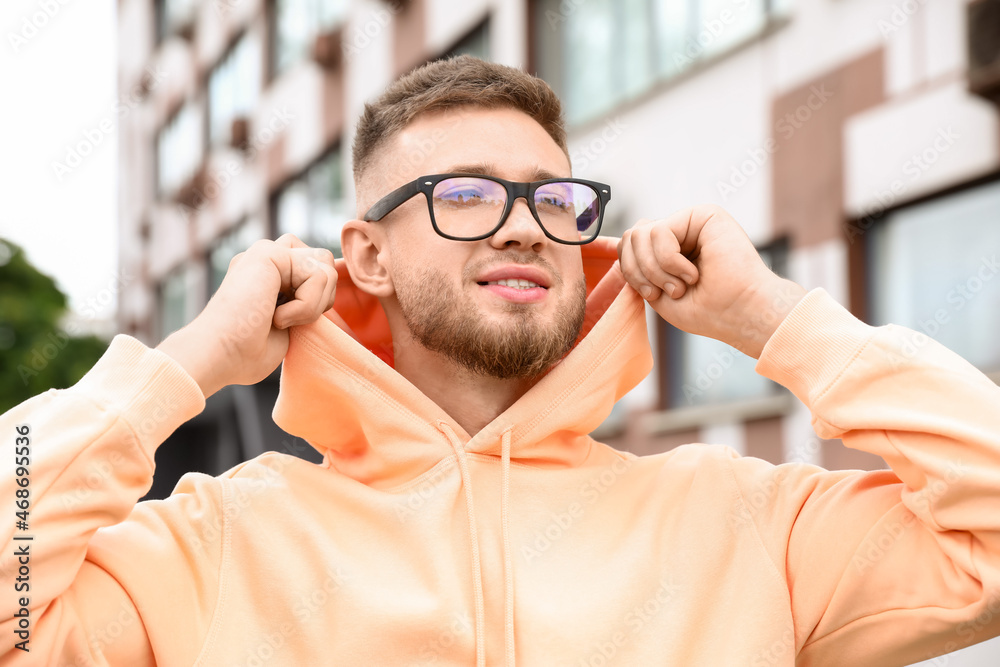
(36, 354)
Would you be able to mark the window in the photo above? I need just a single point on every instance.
(312, 206)
(172, 16)
(179, 149)
(933, 268)
(475, 43)
(227, 246)
(297, 23)
(705, 371)
(233, 88)
(599, 53)
(174, 301)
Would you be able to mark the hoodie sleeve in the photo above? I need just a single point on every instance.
(883, 567)
(87, 455)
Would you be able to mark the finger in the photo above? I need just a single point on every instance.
(303, 308)
(326, 303)
(630, 269)
(670, 253)
(677, 240)
(289, 240)
(306, 258)
(687, 225)
(312, 280)
(650, 257)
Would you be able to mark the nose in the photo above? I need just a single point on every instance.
(519, 229)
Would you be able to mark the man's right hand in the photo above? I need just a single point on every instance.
(242, 335)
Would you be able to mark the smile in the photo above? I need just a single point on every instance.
(515, 283)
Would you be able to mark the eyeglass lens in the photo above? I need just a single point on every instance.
(467, 207)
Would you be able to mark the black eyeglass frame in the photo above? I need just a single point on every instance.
(515, 190)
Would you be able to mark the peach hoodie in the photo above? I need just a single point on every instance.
(529, 543)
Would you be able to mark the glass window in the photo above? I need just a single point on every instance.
(588, 37)
(706, 371)
(725, 23)
(599, 53)
(476, 43)
(313, 206)
(297, 23)
(171, 15)
(782, 7)
(673, 22)
(227, 246)
(637, 68)
(933, 268)
(233, 88)
(608, 47)
(173, 301)
(180, 146)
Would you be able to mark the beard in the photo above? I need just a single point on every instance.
(520, 347)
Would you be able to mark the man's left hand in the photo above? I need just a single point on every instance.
(700, 272)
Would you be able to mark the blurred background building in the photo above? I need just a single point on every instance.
(856, 141)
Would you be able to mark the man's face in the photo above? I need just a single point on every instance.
(467, 299)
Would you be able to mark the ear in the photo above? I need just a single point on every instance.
(365, 251)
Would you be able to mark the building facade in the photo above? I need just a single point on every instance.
(856, 141)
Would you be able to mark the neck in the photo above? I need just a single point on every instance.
(471, 400)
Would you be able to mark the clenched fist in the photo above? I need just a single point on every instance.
(242, 335)
(699, 271)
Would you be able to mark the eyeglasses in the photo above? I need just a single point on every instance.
(472, 207)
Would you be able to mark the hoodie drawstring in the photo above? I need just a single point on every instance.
(508, 583)
(509, 656)
(477, 578)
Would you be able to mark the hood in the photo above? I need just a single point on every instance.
(340, 393)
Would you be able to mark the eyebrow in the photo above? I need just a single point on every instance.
(489, 169)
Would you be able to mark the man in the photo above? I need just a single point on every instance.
(462, 514)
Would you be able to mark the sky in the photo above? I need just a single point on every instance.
(58, 76)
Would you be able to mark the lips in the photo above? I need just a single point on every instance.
(515, 276)
(516, 283)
